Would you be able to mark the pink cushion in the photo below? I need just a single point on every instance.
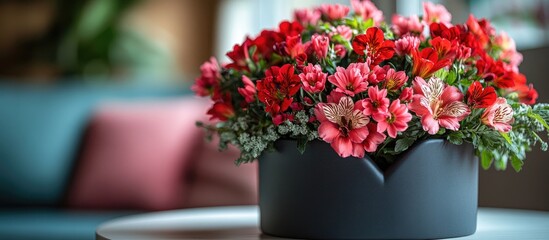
(217, 181)
(135, 155)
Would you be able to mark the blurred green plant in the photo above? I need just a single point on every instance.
(88, 39)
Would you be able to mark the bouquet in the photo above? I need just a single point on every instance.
(371, 88)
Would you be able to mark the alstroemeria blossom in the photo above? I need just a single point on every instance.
(478, 97)
(438, 105)
(394, 120)
(373, 45)
(313, 79)
(349, 81)
(343, 126)
(499, 115)
(427, 62)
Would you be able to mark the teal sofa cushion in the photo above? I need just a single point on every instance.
(40, 133)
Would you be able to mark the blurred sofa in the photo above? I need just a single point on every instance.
(75, 155)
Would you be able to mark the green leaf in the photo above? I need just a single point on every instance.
(339, 39)
(451, 78)
(486, 159)
(506, 136)
(456, 137)
(403, 144)
(539, 119)
(500, 160)
(516, 163)
(301, 144)
(442, 74)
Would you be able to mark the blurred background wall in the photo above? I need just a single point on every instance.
(49, 41)
(151, 40)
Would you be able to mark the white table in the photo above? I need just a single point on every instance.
(241, 222)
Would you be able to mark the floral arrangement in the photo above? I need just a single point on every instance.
(367, 87)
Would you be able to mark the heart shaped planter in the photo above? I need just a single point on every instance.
(430, 192)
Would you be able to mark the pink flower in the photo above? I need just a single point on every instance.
(376, 103)
(436, 13)
(395, 120)
(334, 11)
(499, 116)
(438, 105)
(373, 139)
(340, 50)
(403, 25)
(208, 82)
(366, 9)
(320, 44)
(351, 80)
(376, 75)
(335, 96)
(313, 79)
(394, 80)
(509, 54)
(248, 91)
(342, 30)
(343, 126)
(406, 45)
(307, 16)
(406, 95)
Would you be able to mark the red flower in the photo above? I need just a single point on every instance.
(373, 45)
(481, 30)
(240, 55)
(266, 41)
(294, 47)
(478, 97)
(444, 48)
(290, 28)
(427, 62)
(222, 109)
(494, 71)
(277, 88)
(527, 94)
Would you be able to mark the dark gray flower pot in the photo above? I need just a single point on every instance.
(431, 192)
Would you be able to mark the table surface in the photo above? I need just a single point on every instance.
(241, 222)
